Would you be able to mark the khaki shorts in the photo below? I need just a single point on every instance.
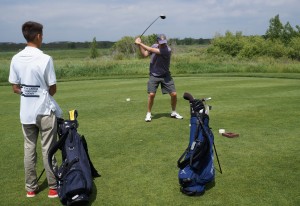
(166, 83)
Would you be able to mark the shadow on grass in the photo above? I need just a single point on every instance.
(210, 185)
(160, 115)
(93, 196)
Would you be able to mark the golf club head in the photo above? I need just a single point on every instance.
(188, 96)
(161, 16)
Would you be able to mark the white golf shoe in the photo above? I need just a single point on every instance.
(148, 117)
(176, 115)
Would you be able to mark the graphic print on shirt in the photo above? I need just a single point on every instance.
(30, 90)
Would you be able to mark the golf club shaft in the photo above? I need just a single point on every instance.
(41, 175)
(149, 26)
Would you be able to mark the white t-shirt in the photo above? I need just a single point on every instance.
(34, 71)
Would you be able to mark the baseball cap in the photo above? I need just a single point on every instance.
(161, 38)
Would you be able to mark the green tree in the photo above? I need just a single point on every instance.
(275, 29)
(93, 49)
(278, 31)
(288, 33)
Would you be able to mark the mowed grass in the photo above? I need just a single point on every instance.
(137, 160)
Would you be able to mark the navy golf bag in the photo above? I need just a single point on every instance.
(196, 164)
(75, 175)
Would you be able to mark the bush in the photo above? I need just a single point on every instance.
(229, 44)
(125, 46)
(274, 48)
(294, 51)
(253, 47)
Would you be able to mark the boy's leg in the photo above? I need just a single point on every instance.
(48, 129)
(30, 132)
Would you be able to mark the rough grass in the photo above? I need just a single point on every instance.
(186, 60)
(137, 160)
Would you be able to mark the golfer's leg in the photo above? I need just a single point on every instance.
(151, 97)
(48, 129)
(168, 86)
(31, 133)
(152, 86)
(173, 100)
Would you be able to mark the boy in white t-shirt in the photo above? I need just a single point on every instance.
(33, 77)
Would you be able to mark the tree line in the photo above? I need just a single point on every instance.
(7, 46)
(279, 41)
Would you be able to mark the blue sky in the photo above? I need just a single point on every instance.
(82, 20)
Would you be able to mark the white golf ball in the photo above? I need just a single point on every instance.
(128, 99)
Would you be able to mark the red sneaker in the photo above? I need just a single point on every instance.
(52, 193)
(30, 194)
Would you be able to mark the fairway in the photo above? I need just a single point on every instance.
(138, 160)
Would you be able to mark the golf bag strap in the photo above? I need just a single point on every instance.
(54, 149)
(182, 164)
(195, 138)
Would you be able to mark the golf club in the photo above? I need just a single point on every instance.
(161, 16)
(41, 175)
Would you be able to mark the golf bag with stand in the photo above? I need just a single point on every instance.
(196, 166)
(75, 175)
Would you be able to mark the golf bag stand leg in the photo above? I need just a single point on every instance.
(218, 159)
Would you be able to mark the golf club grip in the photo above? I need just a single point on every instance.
(188, 96)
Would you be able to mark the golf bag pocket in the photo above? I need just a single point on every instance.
(190, 182)
(72, 187)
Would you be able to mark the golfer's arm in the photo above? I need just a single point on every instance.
(146, 50)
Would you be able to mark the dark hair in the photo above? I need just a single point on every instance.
(30, 29)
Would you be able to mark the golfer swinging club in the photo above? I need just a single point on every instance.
(159, 73)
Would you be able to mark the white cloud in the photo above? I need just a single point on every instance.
(78, 20)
